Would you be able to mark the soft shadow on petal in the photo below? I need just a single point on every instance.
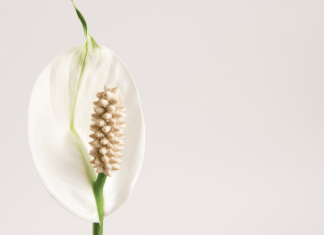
(55, 153)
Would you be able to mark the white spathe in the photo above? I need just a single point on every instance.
(59, 127)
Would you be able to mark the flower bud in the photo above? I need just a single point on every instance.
(108, 172)
(119, 154)
(114, 100)
(122, 126)
(115, 128)
(118, 114)
(120, 133)
(94, 115)
(97, 162)
(112, 121)
(108, 95)
(99, 134)
(99, 170)
(99, 94)
(94, 153)
(113, 160)
(104, 159)
(103, 102)
(95, 144)
(94, 127)
(107, 116)
(115, 141)
(118, 148)
(101, 123)
(108, 165)
(107, 88)
(104, 141)
(103, 150)
(106, 129)
(98, 110)
(110, 135)
(116, 90)
(111, 108)
(121, 107)
(110, 146)
(120, 122)
(111, 153)
(115, 167)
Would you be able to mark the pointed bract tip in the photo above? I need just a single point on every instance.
(83, 22)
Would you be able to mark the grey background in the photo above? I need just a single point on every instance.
(232, 95)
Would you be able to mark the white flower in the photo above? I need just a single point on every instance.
(59, 127)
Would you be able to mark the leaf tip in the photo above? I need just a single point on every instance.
(81, 18)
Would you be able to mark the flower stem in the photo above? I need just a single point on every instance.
(97, 187)
(97, 229)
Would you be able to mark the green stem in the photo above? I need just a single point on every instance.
(97, 229)
(97, 187)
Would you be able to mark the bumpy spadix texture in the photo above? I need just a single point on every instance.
(109, 122)
(59, 119)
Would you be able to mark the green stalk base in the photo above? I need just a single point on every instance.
(97, 229)
(97, 187)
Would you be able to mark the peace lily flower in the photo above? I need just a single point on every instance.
(60, 124)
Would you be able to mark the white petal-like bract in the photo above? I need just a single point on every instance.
(59, 127)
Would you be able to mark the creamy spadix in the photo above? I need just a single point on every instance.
(109, 122)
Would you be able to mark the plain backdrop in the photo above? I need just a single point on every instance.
(232, 95)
